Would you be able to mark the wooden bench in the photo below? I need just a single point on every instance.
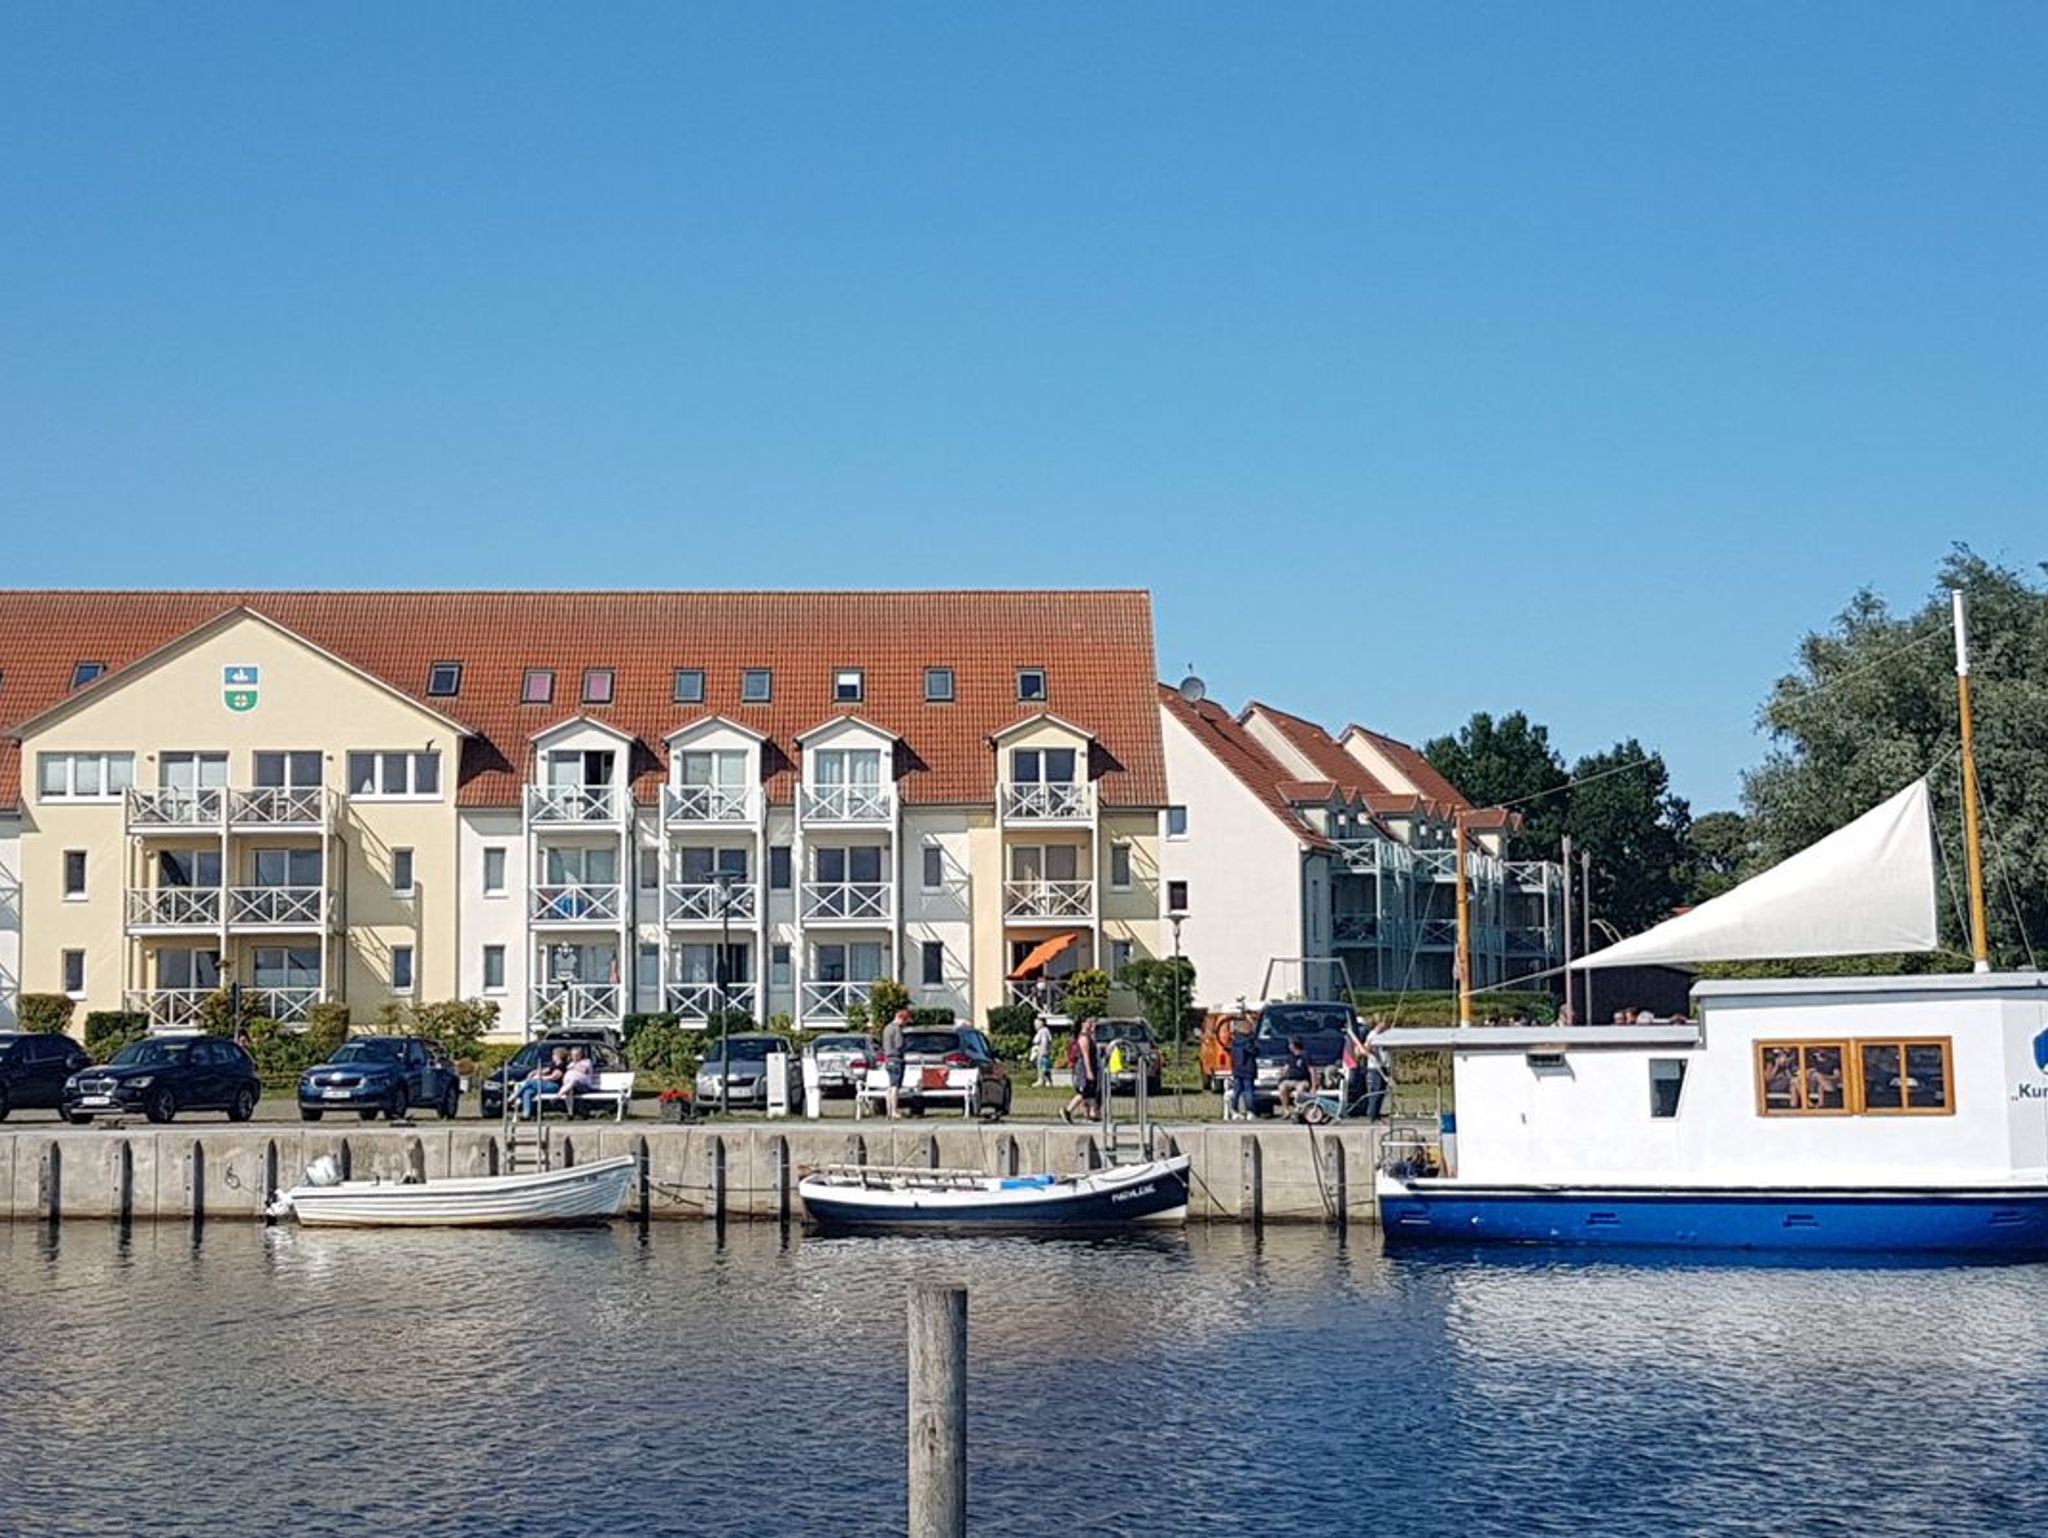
(614, 1087)
(920, 1083)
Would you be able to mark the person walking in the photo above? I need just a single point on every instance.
(1244, 1076)
(1087, 1075)
(892, 1057)
(1041, 1054)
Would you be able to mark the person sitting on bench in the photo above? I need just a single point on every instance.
(581, 1074)
(1296, 1079)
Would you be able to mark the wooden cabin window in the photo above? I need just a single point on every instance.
(1904, 1077)
(1803, 1078)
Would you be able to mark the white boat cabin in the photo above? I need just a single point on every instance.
(1935, 1080)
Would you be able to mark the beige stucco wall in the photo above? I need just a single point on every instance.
(306, 701)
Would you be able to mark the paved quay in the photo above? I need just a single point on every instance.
(1262, 1172)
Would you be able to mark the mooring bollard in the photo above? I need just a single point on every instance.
(938, 1410)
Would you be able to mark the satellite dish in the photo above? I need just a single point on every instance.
(1193, 690)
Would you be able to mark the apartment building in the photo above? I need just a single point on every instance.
(580, 805)
(1284, 841)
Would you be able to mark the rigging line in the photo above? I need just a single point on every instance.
(1948, 875)
(2005, 880)
(1820, 690)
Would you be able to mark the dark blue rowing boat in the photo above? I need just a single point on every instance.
(855, 1198)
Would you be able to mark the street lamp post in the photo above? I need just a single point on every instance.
(719, 975)
(1180, 1073)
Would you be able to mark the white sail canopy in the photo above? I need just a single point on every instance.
(1866, 889)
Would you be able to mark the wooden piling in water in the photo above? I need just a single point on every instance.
(938, 1410)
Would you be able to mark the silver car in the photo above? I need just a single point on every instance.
(843, 1061)
(747, 1083)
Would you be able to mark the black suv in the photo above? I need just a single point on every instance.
(33, 1068)
(163, 1075)
(390, 1074)
(1321, 1027)
(949, 1046)
(601, 1045)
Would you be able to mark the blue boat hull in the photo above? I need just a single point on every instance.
(2002, 1222)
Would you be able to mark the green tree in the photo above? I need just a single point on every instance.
(1621, 811)
(1723, 853)
(1872, 706)
(1508, 762)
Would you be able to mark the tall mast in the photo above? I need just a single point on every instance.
(1464, 933)
(1973, 846)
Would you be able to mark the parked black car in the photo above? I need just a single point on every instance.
(390, 1074)
(163, 1075)
(1321, 1027)
(601, 1045)
(952, 1046)
(33, 1068)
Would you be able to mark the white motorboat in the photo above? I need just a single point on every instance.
(853, 1198)
(580, 1193)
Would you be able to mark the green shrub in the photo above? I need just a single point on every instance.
(885, 997)
(1087, 994)
(1011, 1019)
(328, 1017)
(107, 1031)
(933, 1014)
(632, 1025)
(664, 1054)
(48, 1013)
(1442, 1008)
(1011, 1046)
(782, 1021)
(459, 1025)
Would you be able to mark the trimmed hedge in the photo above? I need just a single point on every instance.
(107, 1031)
(1011, 1020)
(47, 1013)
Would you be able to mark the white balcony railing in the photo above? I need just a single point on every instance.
(175, 808)
(1046, 994)
(576, 903)
(276, 807)
(572, 805)
(174, 907)
(1048, 803)
(698, 1002)
(184, 1008)
(847, 902)
(279, 907)
(826, 1002)
(716, 804)
(705, 902)
(578, 1004)
(1048, 899)
(849, 803)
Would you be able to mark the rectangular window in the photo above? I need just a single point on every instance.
(1176, 822)
(494, 871)
(84, 673)
(1802, 1078)
(647, 972)
(1667, 1082)
(1176, 897)
(1903, 1077)
(401, 969)
(650, 869)
(598, 684)
(1120, 867)
(1031, 684)
(757, 686)
(494, 969)
(934, 867)
(689, 689)
(74, 874)
(938, 686)
(778, 966)
(394, 776)
(846, 686)
(934, 963)
(74, 973)
(778, 868)
(286, 771)
(1043, 766)
(84, 776)
(401, 873)
(537, 687)
(1119, 957)
(444, 679)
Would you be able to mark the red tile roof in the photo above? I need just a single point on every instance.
(1096, 647)
(1419, 770)
(1320, 749)
(1236, 749)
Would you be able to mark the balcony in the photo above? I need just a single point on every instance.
(277, 808)
(180, 1009)
(828, 1003)
(573, 905)
(1048, 803)
(175, 810)
(852, 805)
(578, 1004)
(699, 902)
(174, 907)
(713, 806)
(1033, 901)
(1356, 929)
(574, 806)
(281, 907)
(847, 902)
(695, 1003)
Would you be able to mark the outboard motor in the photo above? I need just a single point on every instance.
(324, 1171)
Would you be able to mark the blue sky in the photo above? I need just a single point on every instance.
(1421, 359)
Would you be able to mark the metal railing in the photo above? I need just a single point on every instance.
(576, 903)
(174, 907)
(578, 1004)
(1356, 928)
(1048, 899)
(848, 901)
(830, 1001)
(277, 807)
(710, 803)
(1052, 802)
(849, 803)
(705, 902)
(1047, 993)
(572, 805)
(288, 907)
(174, 807)
(699, 1001)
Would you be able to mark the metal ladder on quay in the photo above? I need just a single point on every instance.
(1131, 1141)
(524, 1143)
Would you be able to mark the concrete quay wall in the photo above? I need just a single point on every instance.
(1258, 1172)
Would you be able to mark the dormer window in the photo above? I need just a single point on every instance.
(598, 685)
(757, 686)
(846, 686)
(83, 673)
(938, 686)
(1043, 766)
(1031, 684)
(444, 679)
(689, 688)
(537, 687)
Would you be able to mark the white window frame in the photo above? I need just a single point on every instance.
(696, 695)
(1173, 812)
(849, 686)
(497, 851)
(494, 953)
(1044, 685)
(76, 894)
(403, 863)
(1120, 883)
(410, 958)
(65, 962)
(412, 757)
(105, 761)
(928, 853)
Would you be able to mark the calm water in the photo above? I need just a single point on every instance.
(266, 1382)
